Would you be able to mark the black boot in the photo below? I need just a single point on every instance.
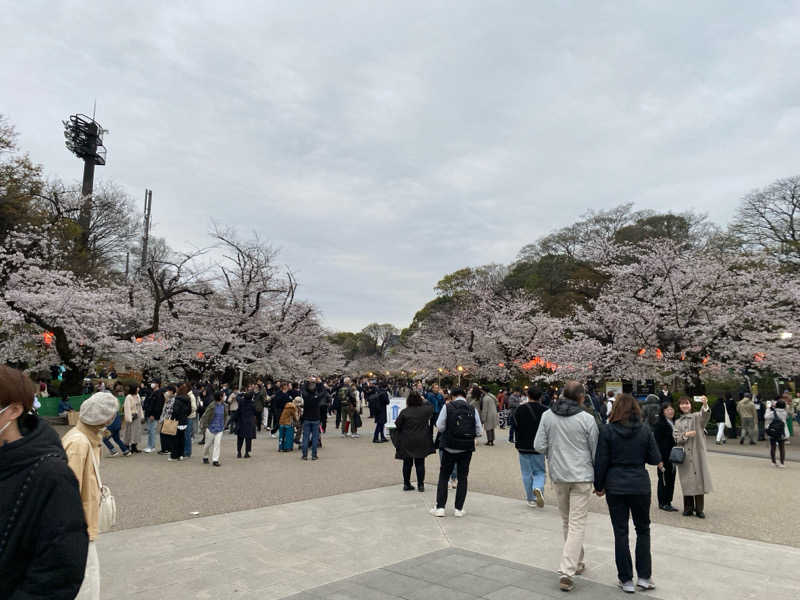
(688, 506)
(699, 502)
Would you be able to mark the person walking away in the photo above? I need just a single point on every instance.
(212, 424)
(380, 403)
(718, 413)
(357, 401)
(525, 420)
(310, 419)
(775, 421)
(512, 404)
(488, 413)
(290, 417)
(665, 440)
(245, 425)
(180, 413)
(82, 447)
(624, 447)
(747, 412)
(112, 433)
(258, 405)
(346, 407)
(447, 398)
(459, 424)
(567, 436)
(650, 410)
(44, 540)
(693, 472)
(324, 407)
(133, 416)
(279, 400)
(414, 438)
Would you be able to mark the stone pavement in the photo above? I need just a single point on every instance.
(359, 544)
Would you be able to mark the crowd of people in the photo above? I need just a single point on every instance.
(58, 505)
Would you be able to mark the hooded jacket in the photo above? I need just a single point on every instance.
(43, 539)
(567, 435)
(623, 449)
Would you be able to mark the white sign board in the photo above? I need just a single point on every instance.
(396, 404)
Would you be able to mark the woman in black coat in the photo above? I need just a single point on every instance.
(380, 403)
(664, 439)
(414, 438)
(181, 409)
(623, 449)
(43, 541)
(245, 424)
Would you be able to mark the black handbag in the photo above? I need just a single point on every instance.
(677, 455)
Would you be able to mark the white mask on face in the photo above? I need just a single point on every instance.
(4, 409)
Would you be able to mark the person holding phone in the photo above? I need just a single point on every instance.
(693, 472)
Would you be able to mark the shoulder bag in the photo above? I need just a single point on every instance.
(677, 455)
(107, 515)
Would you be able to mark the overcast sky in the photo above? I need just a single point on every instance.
(381, 145)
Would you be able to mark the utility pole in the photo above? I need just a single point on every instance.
(84, 138)
(148, 206)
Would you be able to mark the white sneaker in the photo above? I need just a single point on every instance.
(356, 435)
(781, 466)
(460, 513)
(272, 435)
(531, 503)
(437, 512)
(627, 586)
(148, 450)
(646, 584)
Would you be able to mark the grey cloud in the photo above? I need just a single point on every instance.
(382, 145)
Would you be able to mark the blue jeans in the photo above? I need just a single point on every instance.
(151, 433)
(187, 442)
(115, 436)
(533, 473)
(310, 430)
(285, 438)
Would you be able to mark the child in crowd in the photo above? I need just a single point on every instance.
(286, 424)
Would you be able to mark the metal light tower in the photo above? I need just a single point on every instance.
(84, 138)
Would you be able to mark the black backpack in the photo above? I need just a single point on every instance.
(775, 430)
(460, 431)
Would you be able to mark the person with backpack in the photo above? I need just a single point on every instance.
(775, 421)
(458, 424)
(525, 421)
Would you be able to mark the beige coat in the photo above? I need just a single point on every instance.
(746, 408)
(132, 428)
(78, 442)
(694, 473)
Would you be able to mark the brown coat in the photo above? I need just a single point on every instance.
(289, 415)
(694, 472)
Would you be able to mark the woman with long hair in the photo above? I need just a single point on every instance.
(666, 475)
(624, 447)
(414, 435)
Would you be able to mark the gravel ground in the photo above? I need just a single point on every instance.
(751, 499)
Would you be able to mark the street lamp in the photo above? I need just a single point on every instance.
(460, 370)
(440, 376)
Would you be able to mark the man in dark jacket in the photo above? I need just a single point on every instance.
(152, 405)
(525, 421)
(380, 402)
(311, 417)
(44, 542)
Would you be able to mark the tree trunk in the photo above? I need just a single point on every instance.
(72, 381)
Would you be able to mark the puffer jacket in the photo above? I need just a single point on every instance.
(43, 540)
(623, 449)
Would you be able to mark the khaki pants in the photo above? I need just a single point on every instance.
(573, 504)
(90, 588)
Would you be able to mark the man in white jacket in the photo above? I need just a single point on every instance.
(568, 437)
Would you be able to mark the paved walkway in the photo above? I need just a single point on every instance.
(316, 547)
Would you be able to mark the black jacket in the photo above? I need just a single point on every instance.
(279, 400)
(379, 406)
(622, 451)
(153, 405)
(414, 438)
(526, 422)
(664, 440)
(181, 409)
(311, 402)
(43, 545)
